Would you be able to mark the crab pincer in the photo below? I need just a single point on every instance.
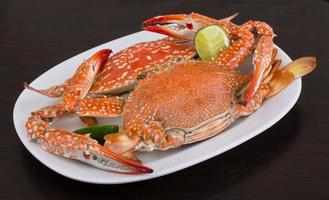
(82, 78)
(86, 149)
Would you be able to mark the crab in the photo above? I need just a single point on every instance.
(177, 102)
(120, 72)
(193, 101)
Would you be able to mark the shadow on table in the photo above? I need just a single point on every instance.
(203, 181)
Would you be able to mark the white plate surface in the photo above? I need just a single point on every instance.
(161, 162)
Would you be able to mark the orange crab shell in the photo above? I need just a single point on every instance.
(181, 96)
(121, 69)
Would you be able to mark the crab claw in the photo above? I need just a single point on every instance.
(180, 26)
(80, 83)
(255, 82)
(86, 149)
(261, 60)
(165, 19)
(82, 78)
(99, 58)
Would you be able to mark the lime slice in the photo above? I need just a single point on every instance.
(98, 132)
(210, 41)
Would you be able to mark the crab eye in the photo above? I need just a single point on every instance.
(189, 25)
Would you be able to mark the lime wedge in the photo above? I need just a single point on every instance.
(210, 41)
(98, 132)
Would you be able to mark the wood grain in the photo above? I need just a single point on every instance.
(288, 161)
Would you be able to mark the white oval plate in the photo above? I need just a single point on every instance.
(161, 162)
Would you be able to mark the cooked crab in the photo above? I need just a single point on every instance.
(180, 103)
(193, 101)
(120, 72)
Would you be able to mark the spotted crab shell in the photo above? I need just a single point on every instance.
(121, 70)
(182, 96)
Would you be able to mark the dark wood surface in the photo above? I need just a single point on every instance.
(288, 161)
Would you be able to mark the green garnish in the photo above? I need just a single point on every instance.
(210, 41)
(98, 132)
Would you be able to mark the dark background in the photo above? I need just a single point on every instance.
(288, 161)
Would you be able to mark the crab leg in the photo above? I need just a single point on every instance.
(100, 107)
(262, 54)
(277, 80)
(75, 146)
(38, 122)
(89, 108)
(85, 149)
(281, 78)
(82, 78)
(52, 92)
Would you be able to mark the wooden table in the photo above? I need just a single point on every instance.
(288, 161)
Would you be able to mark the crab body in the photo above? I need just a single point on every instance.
(181, 96)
